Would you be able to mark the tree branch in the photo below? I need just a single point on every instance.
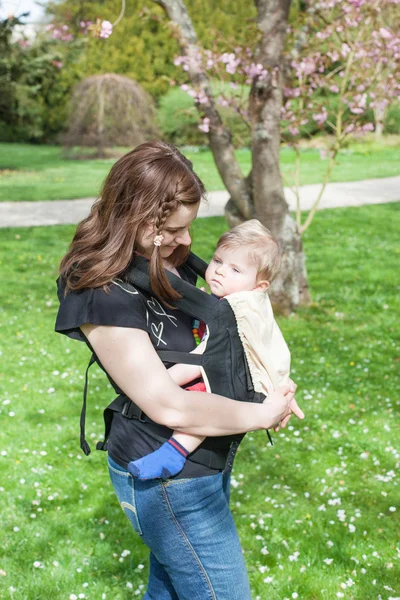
(220, 137)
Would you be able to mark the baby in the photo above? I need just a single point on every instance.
(247, 259)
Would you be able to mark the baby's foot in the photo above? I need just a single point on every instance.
(163, 463)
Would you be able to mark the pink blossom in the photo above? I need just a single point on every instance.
(349, 128)
(106, 30)
(334, 88)
(205, 126)
(385, 33)
(321, 117)
(57, 63)
(345, 50)
(222, 101)
(368, 127)
(323, 154)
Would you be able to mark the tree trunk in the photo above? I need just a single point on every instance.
(260, 195)
(265, 103)
(379, 116)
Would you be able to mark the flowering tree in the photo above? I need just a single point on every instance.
(259, 194)
(341, 60)
(349, 64)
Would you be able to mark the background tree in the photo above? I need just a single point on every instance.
(30, 84)
(143, 47)
(110, 110)
(261, 193)
(347, 68)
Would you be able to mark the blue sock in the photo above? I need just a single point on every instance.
(163, 463)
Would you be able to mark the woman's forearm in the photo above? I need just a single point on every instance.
(199, 413)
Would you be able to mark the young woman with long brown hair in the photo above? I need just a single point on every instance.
(147, 204)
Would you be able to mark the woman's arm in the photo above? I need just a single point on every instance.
(131, 361)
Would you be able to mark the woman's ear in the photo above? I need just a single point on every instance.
(262, 286)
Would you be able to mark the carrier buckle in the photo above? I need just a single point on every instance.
(131, 411)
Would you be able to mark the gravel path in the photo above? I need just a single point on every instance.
(63, 212)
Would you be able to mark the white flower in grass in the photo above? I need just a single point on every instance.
(328, 561)
(392, 508)
(73, 597)
(38, 565)
(129, 585)
(268, 579)
(352, 528)
(262, 569)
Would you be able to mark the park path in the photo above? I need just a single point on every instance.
(63, 212)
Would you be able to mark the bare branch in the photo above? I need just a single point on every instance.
(121, 14)
(220, 137)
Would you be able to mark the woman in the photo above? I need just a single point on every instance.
(147, 204)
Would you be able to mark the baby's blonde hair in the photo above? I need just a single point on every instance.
(262, 246)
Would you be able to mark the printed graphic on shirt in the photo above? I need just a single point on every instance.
(158, 310)
(132, 291)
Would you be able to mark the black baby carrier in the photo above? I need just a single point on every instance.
(223, 363)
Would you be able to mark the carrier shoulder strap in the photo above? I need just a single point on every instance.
(193, 301)
(84, 445)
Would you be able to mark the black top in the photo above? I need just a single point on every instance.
(128, 306)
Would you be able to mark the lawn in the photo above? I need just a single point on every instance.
(34, 173)
(316, 512)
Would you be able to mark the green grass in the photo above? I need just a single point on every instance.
(41, 173)
(59, 509)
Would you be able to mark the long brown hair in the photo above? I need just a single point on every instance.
(146, 185)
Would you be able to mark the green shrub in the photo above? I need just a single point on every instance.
(179, 120)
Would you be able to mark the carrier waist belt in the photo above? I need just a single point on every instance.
(215, 458)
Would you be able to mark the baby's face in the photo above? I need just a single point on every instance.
(231, 271)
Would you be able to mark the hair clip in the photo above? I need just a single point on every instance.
(158, 240)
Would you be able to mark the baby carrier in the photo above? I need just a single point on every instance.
(223, 364)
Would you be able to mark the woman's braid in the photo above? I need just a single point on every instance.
(165, 209)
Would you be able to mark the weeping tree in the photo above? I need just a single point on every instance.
(110, 110)
(260, 194)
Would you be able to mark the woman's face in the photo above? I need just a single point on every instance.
(175, 231)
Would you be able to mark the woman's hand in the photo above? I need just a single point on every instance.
(293, 408)
(282, 405)
(278, 403)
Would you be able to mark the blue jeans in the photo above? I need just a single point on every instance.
(195, 553)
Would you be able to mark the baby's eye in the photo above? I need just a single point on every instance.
(235, 270)
(217, 261)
